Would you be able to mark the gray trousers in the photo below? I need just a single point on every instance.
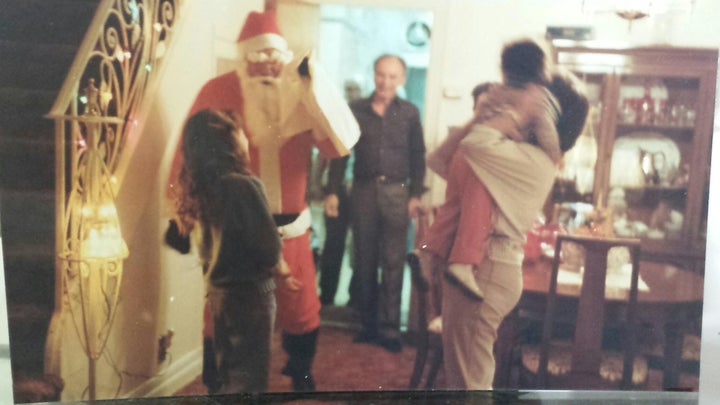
(380, 223)
(244, 318)
(470, 327)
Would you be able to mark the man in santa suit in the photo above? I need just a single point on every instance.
(285, 107)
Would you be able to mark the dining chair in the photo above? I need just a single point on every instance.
(674, 348)
(581, 363)
(426, 288)
(672, 323)
(429, 342)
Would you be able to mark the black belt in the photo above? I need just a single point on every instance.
(284, 219)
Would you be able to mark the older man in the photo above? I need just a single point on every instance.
(388, 177)
(285, 107)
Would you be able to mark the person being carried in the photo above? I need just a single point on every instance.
(518, 177)
(524, 110)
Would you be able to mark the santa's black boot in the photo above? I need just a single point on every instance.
(301, 352)
(210, 372)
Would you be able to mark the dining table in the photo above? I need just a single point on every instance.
(669, 301)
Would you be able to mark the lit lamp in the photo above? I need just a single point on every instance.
(632, 10)
(94, 250)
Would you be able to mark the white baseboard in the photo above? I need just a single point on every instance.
(174, 377)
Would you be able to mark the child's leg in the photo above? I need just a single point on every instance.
(475, 220)
(439, 237)
(474, 227)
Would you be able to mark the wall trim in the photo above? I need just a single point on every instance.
(173, 378)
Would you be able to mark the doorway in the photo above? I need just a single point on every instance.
(349, 39)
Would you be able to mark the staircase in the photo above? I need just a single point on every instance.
(38, 42)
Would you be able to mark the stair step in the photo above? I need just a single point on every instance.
(48, 22)
(34, 66)
(28, 219)
(26, 124)
(27, 164)
(24, 110)
(29, 261)
(17, 100)
(27, 326)
(30, 279)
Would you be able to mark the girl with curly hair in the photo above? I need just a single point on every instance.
(225, 208)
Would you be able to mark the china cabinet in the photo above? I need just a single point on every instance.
(645, 153)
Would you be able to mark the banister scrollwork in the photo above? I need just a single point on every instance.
(105, 89)
(96, 112)
(120, 60)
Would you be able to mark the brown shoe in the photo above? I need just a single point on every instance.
(462, 276)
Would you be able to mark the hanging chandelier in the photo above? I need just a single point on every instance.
(633, 10)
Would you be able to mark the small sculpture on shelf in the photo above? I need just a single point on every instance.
(647, 165)
(622, 225)
(628, 111)
(646, 113)
(683, 176)
(664, 173)
(665, 222)
(656, 170)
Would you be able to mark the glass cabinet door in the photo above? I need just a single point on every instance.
(648, 138)
(651, 155)
(576, 180)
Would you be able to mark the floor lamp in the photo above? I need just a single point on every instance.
(94, 250)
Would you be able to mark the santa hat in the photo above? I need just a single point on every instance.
(260, 31)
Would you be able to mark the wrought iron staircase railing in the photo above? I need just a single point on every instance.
(100, 109)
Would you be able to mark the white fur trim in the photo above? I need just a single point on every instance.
(275, 55)
(297, 227)
(263, 41)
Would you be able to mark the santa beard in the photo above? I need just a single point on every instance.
(261, 105)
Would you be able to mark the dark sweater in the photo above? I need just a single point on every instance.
(391, 146)
(245, 245)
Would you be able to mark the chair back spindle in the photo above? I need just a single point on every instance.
(589, 325)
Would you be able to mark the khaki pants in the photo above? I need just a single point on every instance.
(470, 327)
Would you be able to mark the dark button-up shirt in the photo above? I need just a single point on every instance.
(390, 147)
